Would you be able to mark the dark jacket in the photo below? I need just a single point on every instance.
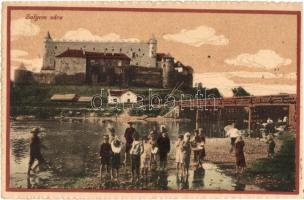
(35, 144)
(163, 144)
(105, 150)
(129, 135)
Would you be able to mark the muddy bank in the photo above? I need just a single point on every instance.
(218, 172)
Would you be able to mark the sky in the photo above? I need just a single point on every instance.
(256, 51)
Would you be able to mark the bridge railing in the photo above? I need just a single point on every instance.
(240, 101)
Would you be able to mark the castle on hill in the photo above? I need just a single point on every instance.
(107, 63)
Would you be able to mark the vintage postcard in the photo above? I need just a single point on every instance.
(162, 100)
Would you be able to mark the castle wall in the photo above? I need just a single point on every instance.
(70, 65)
(141, 54)
(142, 76)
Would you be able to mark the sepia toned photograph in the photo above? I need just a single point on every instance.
(121, 99)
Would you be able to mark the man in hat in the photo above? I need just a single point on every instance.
(35, 146)
(105, 155)
(129, 140)
(163, 143)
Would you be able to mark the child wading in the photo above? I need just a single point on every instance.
(135, 152)
(186, 154)
(146, 157)
(198, 144)
(179, 153)
(105, 155)
(35, 153)
(239, 155)
(115, 161)
(271, 146)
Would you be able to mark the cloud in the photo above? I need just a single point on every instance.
(265, 58)
(197, 37)
(84, 34)
(18, 57)
(24, 27)
(211, 80)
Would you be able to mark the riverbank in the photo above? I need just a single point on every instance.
(217, 150)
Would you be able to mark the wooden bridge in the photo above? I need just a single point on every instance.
(246, 111)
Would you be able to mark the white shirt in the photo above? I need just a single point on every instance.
(233, 133)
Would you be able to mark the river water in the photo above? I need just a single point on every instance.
(72, 149)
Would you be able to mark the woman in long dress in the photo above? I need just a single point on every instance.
(239, 155)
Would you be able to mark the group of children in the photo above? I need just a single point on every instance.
(142, 154)
(150, 152)
(184, 145)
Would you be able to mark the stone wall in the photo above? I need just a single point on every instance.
(70, 65)
(141, 53)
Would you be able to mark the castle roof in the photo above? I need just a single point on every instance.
(86, 54)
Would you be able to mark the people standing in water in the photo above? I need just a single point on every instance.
(232, 133)
(239, 155)
(145, 164)
(105, 153)
(163, 143)
(135, 153)
(186, 149)
(116, 147)
(35, 150)
(129, 140)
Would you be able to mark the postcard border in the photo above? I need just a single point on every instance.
(9, 10)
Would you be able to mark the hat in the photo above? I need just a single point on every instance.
(116, 145)
(36, 130)
(106, 137)
(130, 122)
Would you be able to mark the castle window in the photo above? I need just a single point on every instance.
(131, 49)
(137, 63)
(55, 47)
(139, 49)
(112, 49)
(143, 54)
(120, 50)
(133, 55)
(106, 49)
(94, 48)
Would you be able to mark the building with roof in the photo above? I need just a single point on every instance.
(124, 64)
(121, 96)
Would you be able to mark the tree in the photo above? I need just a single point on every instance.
(240, 92)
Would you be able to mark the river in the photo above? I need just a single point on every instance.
(72, 147)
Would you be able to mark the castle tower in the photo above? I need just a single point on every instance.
(167, 65)
(152, 47)
(49, 53)
(22, 75)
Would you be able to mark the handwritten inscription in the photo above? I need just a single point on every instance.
(36, 17)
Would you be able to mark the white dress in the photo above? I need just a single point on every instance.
(179, 151)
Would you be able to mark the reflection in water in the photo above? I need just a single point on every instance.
(198, 178)
(20, 147)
